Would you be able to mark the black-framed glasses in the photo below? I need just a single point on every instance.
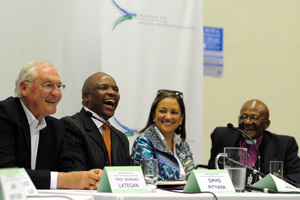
(175, 92)
(253, 118)
(49, 86)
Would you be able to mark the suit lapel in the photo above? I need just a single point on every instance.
(232, 139)
(156, 141)
(24, 125)
(269, 150)
(92, 129)
(26, 134)
(116, 147)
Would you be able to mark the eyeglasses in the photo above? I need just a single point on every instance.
(253, 118)
(49, 86)
(176, 93)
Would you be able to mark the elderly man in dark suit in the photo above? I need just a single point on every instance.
(254, 120)
(85, 131)
(31, 139)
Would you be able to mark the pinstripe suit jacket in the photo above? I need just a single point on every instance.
(87, 147)
(15, 144)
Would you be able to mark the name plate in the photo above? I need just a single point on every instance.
(274, 183)
(216, 181)
(122, 180)
(15, 184)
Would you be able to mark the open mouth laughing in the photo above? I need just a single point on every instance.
(110, 103)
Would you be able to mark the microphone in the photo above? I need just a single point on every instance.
(89, 114)
(229, 125)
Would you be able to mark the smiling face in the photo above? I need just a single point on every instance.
(254, 118)
(37, 99)
(102, 95)
(168, 116)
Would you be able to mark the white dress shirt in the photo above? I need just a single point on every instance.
(35, 127)
(97, 122)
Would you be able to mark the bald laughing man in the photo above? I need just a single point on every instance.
(85, 129)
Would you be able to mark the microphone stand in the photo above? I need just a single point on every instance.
(240, 164)
(229, 125)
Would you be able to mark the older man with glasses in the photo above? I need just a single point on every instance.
(263, 146)
(31, 139)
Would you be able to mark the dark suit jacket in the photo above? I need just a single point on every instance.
(15, 144)
(87, 147)
(273, 147)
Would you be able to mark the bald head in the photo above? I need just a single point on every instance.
(100, 94)
(91, 82)
(254, 118)
(258, 105)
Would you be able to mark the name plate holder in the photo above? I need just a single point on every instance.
(16, 184)
(122, 180)
(216, 181)
(274, 183)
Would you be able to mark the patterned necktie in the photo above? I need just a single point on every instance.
(107, 140)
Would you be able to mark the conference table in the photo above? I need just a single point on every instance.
(173, 195)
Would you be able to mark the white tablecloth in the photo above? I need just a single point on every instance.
(53, 196)
(167, 195)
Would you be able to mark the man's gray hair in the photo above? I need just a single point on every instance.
(28, 72)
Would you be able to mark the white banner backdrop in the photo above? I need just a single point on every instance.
(149, 45)
(145, 45)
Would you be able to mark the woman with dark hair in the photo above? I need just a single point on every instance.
(164, 137)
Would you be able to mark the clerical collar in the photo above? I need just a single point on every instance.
(256, 141)
(250, 142)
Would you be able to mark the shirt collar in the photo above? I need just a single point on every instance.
(97, 122)
(176, 137)
(32, 121)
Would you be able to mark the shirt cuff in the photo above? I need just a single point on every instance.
(53, 181)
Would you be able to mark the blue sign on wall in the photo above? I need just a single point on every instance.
(213, 39)
(213, 51)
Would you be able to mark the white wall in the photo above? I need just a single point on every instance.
(59, 31)
(261, 60)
